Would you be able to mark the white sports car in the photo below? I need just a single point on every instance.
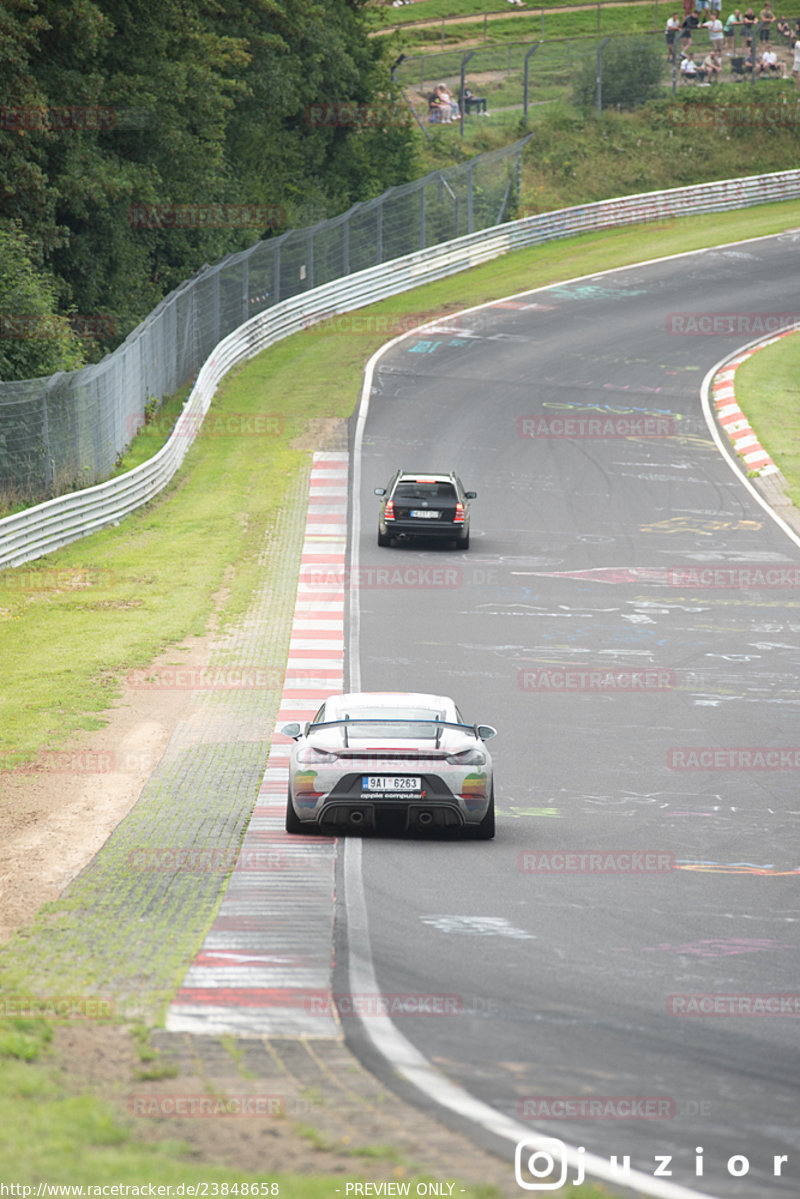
(390, 760)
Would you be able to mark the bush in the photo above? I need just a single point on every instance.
(631, 73)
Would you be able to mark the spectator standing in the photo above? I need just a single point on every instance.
(766, 17)
(729, 29)
(690, 23)
(796, 61)
(671, 32)
(715, 33)
(748, 21)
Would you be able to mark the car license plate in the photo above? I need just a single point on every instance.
(425, 514)
(390, 782)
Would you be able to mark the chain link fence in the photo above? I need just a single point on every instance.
(497, 71)
(69, 430)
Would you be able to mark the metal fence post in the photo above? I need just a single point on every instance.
(470, 223)
(600, 74)
(532, 50)
(461, 106)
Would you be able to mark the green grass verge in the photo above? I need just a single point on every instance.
(53, 1132)
(65, 646)
(549, 22)
(768, 391)
(73, 623)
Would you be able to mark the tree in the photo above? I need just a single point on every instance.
(34, 339)
(631, 73)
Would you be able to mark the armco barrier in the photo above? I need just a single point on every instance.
(39, 530)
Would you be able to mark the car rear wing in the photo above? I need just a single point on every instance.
(481, 732)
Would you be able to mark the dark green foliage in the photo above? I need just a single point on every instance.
(34, 340)
(179, 102)
(631, 73)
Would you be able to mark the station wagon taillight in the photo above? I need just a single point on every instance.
(459, 516)
(388, 512)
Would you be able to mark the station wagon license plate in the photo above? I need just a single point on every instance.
(425, 514)
(389, 782)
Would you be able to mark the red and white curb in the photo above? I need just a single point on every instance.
(264, 968)
(733, 420)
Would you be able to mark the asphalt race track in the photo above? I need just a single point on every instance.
(573, 626)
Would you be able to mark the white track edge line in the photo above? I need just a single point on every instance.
(391, 1044)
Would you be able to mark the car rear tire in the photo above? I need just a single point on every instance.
(293, 822)
(464, 543)
(485, 830)
(383, 538)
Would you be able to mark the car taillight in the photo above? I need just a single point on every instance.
(388, 512)
(459, 516)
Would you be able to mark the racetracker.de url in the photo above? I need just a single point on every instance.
(187, 1190)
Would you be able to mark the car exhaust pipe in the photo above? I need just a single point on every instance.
(356, 817)
(426, 818)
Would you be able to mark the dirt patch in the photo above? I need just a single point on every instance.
(312, 1109)
(56, 814)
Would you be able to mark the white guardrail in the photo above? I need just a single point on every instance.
(36, 531)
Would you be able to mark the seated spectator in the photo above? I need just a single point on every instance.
(769, 64)
(472, 101)
(785, 30)
(690, 71)
(729, 29)
(450, 110)
(435, 112)
(712, 65)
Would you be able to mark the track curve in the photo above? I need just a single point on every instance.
(582, 624)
